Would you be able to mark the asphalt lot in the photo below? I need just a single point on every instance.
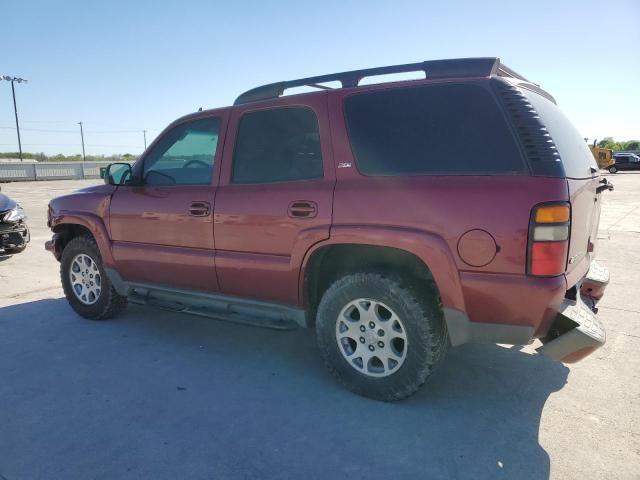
(160, 395)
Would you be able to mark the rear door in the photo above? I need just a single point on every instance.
(162, 229)
(275, 196)
(583, 179)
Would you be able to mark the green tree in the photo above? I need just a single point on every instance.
(610, 143)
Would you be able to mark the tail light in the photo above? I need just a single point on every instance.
(548, 239)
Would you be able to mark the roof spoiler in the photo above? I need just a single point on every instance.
(448, 68)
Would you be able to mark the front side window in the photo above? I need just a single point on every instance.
(277, 145)
(431, 130)
(185, 155)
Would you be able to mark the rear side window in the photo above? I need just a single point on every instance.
(278, 145)
(431, 130)
(577, 159)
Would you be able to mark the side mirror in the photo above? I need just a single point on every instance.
(118, 174)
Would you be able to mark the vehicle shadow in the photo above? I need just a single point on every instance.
(179, 396)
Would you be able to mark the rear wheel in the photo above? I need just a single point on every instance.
(613, 169)
(380, 336)
(86, 286)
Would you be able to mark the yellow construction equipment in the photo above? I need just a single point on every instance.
(604, 156)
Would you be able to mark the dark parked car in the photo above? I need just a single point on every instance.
(335, 210)
(14, 233)
(625, 161)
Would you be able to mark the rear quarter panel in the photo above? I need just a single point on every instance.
(449, 207)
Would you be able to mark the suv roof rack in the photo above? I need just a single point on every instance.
(448, 68)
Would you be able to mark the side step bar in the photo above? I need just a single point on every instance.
(219, 307)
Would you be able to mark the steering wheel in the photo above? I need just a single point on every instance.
(199, 163)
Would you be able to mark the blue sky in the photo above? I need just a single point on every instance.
(136, 65)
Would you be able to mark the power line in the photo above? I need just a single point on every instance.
(45, 121)
(73, 145)
(40, 130)
(55, 130)
(102, 126)
(46, 130)
(44, 144)
(115, 131)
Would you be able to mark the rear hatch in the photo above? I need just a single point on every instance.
(583, 179)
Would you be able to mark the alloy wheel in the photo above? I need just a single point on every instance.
(86, 281)
(371, 337)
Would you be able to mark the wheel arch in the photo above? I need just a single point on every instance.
(71, 225)
(419, 254)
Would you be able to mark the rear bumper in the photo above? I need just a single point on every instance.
(569, 329)
(595, 282)
(577, 332)
(580, 333)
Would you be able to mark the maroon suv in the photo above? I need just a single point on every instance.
(395, 218)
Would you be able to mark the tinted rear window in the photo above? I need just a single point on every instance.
(576, 157)
(278, 145)
(431, 130)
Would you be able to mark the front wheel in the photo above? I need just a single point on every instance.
(85, 283)
(380, 336)
(613, 169)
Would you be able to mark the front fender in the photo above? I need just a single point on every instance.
(91, 222)
(430, 248)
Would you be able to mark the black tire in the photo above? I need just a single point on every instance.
(613, 169)
(109, 303)
(421, 314)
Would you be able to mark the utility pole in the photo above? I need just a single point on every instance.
(15, 108)
(144, 133)
(84, 158)
(15, 111)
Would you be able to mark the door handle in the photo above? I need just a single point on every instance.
(199, 209)
(302, 209)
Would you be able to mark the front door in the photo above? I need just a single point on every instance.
(275, 197)
(162, 227)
